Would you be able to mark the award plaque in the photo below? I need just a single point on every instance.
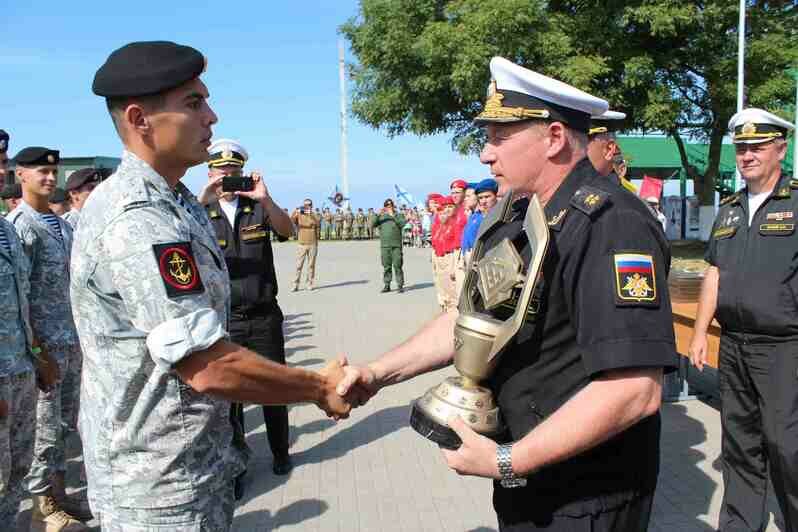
(492, 278)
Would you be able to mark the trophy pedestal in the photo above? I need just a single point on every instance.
(473, 404)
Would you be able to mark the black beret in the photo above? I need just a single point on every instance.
(58, 196)
(11, 191)
(3, 141)
(85, 175)
(37, 156)
(144, 68)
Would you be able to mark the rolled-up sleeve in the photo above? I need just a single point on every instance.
(173, 340)
(174, 325)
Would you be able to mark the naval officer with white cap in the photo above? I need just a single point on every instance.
(579, 386)
(750, 288)
(603, 150)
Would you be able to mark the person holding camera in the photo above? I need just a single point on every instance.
(307, 224)
(390, 224)
(243, 215)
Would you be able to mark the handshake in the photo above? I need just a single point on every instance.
(346, 387)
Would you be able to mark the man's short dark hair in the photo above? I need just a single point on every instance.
(116, 106)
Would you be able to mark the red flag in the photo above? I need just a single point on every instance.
(651, 187)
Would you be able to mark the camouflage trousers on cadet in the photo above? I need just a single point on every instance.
(70, 393)
(211, 514)
(49, 451)
(17, 432)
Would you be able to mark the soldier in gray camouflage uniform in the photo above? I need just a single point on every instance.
(151, 296)
(17, 378)
(47, 242)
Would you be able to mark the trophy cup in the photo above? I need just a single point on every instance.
(479, 339)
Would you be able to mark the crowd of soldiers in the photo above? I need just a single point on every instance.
(144, 317)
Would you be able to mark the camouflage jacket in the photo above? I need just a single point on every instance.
(72, 218)
(50, 311)
(149, 287)
(15, 332)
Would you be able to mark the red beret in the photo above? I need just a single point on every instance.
(459, 183)
(446, 200)
(434, 196)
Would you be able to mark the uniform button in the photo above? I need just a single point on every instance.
(533, 405)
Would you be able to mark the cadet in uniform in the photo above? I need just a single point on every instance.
(11, 196)
(338, 224)
(580, 385)
(21, 367)
(47, 241)
(79, 186)
(326, 224)
(370, 217)
(59, 202)
(349, 219)
(308, 243)
(750, 288)
(151, 295)
(243, 223)
(360, 221)
(390, 224)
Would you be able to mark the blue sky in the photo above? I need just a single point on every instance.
(273, 78)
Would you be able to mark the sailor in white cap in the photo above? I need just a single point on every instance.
(579, 388)
(603, 150)
(750, 289)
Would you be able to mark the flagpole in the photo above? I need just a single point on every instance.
(740, 73)
(344, 161)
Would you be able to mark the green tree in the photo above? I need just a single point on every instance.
(671, 65)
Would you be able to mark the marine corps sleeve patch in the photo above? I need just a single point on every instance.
(635, 282)
(178, 269)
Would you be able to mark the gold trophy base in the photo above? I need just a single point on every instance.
(455, 396)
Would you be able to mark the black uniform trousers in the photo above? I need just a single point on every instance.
(759, 416)
(630, 517)
(262, 332)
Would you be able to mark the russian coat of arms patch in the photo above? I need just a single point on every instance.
(635, 282)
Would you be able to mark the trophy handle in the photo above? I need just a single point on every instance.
(537, 232)
(493, 218)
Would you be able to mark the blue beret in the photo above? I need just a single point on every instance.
(487, 185)
(37, 156)
(3, 141)
(145, 68)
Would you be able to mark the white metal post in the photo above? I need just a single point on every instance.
(344, 161)
(740, 73)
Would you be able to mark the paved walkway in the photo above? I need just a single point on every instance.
(372, 472)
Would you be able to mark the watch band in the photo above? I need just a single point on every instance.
(505, 462)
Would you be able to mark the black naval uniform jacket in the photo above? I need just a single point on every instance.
(758, 265)
(248, 253)
(602, 304)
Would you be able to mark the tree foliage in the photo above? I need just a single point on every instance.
(671, 65)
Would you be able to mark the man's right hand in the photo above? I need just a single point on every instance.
(359, 385)
(334, 405)
(698, 350)
(47, 373)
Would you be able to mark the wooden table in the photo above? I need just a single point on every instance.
(683, 323)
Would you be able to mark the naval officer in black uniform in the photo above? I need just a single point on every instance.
(751, 288)
(579, 387)
(244, 222)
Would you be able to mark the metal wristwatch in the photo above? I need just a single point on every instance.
(505, 462)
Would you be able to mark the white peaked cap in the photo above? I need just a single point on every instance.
(754, 126)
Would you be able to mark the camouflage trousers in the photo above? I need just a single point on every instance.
(212, 514)
(49, 453)
(70, 393)
(17, 432)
